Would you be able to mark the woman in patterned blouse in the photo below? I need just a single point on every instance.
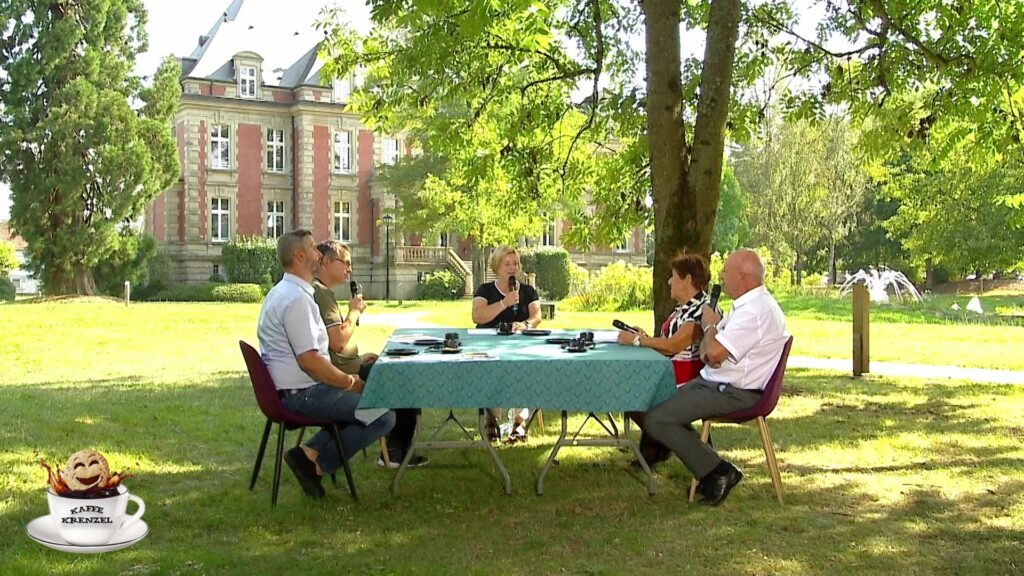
(679, 337)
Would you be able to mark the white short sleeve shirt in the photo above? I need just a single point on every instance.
(754, 333)
(289, 325)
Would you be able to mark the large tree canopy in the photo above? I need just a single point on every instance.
(80, 159)
(538, 103)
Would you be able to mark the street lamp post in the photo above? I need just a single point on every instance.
(387, 219)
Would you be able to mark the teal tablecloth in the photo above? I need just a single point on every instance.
(528, 373)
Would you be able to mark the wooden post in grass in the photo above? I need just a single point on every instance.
(127, 292)
(861, 330)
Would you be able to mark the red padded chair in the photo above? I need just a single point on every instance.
(760, 411)
(269, 400)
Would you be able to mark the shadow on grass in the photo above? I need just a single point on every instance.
(946, 511)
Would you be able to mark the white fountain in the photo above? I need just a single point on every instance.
(878, 283)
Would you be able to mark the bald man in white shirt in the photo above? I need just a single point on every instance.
(740, 352)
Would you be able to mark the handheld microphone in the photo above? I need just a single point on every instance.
(356, 291)
(623, 326)
(513, 284)
(716, 291)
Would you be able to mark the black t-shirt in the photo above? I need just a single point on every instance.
(519, 313)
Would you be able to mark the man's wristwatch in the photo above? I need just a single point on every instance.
(636, 340)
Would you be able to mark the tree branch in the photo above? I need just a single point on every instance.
(595, 93)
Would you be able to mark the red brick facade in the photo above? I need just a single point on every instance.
(250, 180)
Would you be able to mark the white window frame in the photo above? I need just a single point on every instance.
(342, 152)
(247, 84)
(444, 240)
(624, 247)
(342, 215)
(220, 219)
(549, 236)
(389, 155)
(275, 150)
(341, 89)
(220, 146)
(276, 218)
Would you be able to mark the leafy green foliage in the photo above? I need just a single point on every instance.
(807, 188)
(553, 269)
(618, 286)
(159, 274)
(80, 160)
(440, 285)
(128, 260)
(8, 258)
(251, 259)
(731, 227)
(7, 290)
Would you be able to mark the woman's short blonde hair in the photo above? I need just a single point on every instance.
(499, 255)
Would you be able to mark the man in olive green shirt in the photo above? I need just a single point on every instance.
(335, 270)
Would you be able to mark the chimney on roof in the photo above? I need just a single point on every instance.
(251, 26)
(202, 40)
(225, 16)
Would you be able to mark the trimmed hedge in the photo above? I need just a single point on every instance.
(248, 293)
(7, 290)
(441, 285)
(553, 268)
(251, 260)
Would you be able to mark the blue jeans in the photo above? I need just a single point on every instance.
(323, 401)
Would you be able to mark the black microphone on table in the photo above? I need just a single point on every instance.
(356, 291)
(716, 291)
(513, 284)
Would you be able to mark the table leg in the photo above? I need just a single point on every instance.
(554, 453)
(490, 450)
(617, 441)
(408, 453)
(431, 444)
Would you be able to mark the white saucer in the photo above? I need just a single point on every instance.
(43, 531)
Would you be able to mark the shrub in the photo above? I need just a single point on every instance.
(8, 257)
(237, 293)
(159, 275)
(618, 286)
(251, 260)
(128, 260)
(215, 278)
(7, 290)
(441, 285)
(210, 293)
(553, 269)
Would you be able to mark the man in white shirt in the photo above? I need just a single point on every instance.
(740, 353)
(294, 346)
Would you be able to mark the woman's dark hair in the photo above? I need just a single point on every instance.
(696, 266)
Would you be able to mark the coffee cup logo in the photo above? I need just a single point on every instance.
(88, 503)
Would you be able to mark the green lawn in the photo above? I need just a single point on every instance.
(880, 476)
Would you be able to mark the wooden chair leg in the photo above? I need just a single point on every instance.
(277, 464)
(259, 455)
(384, 452)
(769, 454)
(344, 462)
(705, 433)
(540, 420)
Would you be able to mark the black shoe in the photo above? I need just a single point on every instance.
(717, 485)
(305, 472)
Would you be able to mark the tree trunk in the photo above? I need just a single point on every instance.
(74, 280)
(685, 189)
(798, 268)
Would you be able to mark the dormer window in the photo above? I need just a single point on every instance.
(247, 81)
(342, 89)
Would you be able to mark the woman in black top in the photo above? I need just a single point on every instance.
(496, 302)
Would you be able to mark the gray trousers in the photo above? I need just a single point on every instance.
(671, 422)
